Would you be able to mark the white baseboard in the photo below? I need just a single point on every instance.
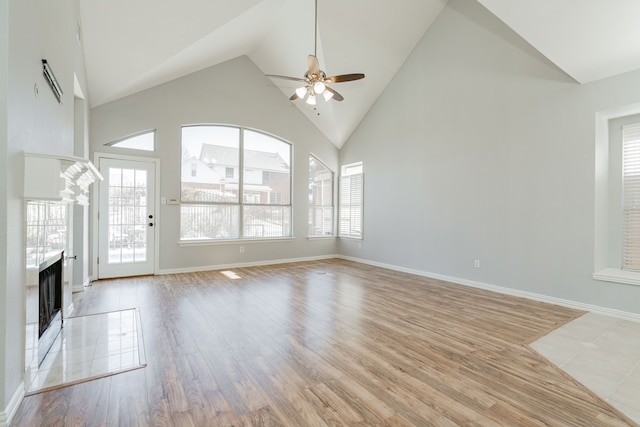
(80, 288)
(243, 264)
(7, 415)
(634, 317)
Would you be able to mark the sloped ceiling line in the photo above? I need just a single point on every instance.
(131, 46)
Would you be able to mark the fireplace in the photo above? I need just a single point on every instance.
(52, 184)
(50, 302)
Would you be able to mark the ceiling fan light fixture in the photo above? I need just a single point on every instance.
(301, 91)
(311, 100)
(319, 87)
(315, 80)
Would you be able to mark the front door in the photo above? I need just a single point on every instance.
(126, 218)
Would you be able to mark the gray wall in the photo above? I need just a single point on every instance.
(235, 93)
(31, 31)
(480, 148)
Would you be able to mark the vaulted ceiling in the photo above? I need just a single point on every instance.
(130, 46)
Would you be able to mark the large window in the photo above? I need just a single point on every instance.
(351, 201)
(320, 199)
(617, 196)
(229, 197)
(631, 197)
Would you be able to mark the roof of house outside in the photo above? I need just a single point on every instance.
(204, 174)
(253, 159)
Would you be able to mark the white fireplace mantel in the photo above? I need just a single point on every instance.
(64, 179)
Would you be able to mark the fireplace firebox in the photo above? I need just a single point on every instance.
(50, 302)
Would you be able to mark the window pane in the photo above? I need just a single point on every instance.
(320, 199)
(631, 197)
(212, 196)
(144, 141)
(210, 155)
(127, 216)
(209, 221)
(351, 206)
(267, 171)
(267, 221)
(352, 169)
(46, 231)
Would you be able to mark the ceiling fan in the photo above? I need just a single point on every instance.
(315, 80)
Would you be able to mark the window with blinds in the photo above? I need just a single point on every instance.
(351, 201)
(631, 197)
(320, 199)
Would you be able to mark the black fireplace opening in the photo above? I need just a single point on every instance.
(50, 303)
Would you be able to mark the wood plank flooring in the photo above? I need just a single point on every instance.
(326, 343)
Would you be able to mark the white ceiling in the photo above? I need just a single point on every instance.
(130, 46)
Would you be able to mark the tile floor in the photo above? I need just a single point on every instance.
(90, 347)
(601, 352)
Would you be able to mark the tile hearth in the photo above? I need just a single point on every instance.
(91, 347)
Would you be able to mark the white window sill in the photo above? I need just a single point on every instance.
(618, 276)
(327, 237)
(210, 242)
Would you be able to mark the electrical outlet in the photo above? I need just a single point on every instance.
(476, 263)
(241, 249)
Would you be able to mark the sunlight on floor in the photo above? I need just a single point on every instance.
(90, 347)
(231, 274)
(601, 352)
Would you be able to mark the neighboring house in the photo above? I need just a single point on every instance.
(266, 178)
(201, 182)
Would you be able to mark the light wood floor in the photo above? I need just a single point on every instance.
(325, 343)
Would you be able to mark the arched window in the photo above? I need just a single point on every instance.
(236, 184)
(145, 141)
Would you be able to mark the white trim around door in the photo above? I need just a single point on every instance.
(150, 258)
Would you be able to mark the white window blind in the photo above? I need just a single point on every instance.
(631, 197)
(351, 201)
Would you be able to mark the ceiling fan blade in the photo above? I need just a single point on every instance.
(345, 78)
(294, 97)
(295, 79)
(336, 95)
(314, 66)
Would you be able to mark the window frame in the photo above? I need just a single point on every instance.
(351, 175)
(116, 143)
(630, 196)
(608, 207)
(313, 207)
(243, 206)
